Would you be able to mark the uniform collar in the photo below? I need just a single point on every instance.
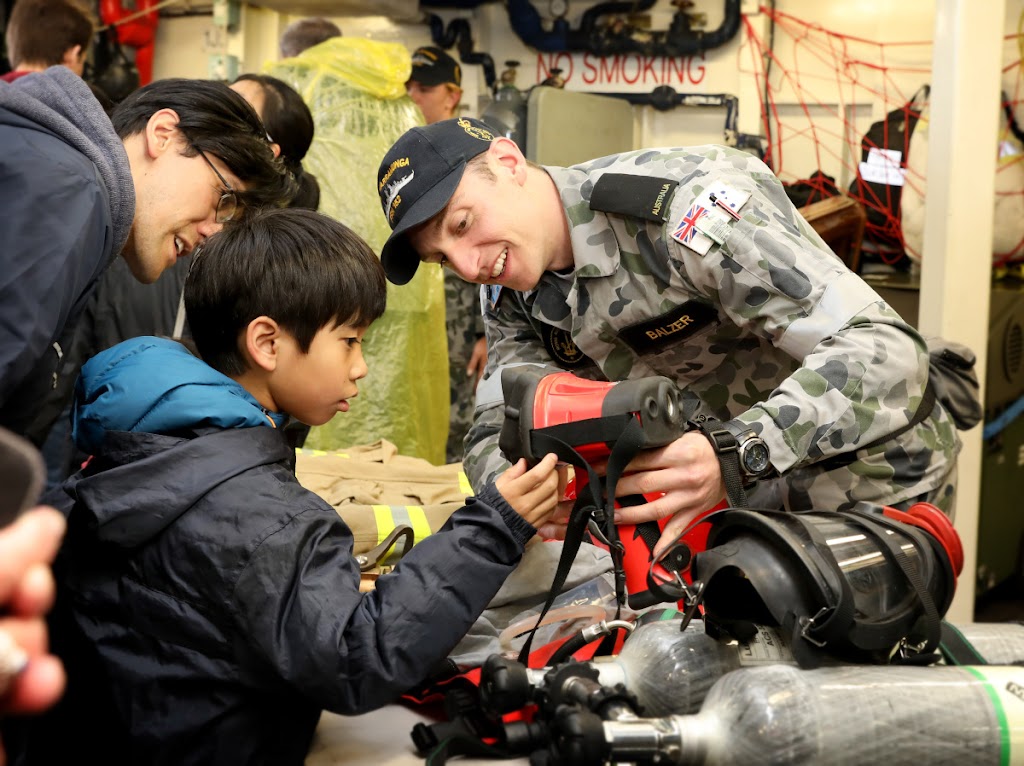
(594, 245)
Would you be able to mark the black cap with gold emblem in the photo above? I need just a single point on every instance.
(432, 66)
(417, 177)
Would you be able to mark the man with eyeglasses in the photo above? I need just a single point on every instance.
(181, 158)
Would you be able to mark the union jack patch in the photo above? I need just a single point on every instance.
(686, 232)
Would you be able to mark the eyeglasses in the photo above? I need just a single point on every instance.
(227, 205)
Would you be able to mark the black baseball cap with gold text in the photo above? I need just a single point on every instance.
(432, 66)
(417, 177)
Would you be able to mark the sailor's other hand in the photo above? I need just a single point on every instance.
(533, 493)
(688, 474)
(477, 361)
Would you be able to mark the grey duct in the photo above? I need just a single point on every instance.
(665, 97)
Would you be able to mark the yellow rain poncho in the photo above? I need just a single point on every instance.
(355, 89)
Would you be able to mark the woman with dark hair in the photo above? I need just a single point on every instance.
(289, 125)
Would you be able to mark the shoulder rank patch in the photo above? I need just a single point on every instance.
(674, 326)
(562, 348)
(639, 196)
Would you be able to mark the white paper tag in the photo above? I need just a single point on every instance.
(883, 167)
(732, 198)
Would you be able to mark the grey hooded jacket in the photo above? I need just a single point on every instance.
(68, 201)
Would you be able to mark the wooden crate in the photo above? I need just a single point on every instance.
(840, 222)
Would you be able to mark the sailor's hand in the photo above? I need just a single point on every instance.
(687, 471)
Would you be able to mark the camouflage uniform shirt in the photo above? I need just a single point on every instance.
(465, 323)
(790, 341)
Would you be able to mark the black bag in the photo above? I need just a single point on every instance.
(951, 373)
(883, 232)
(113, 72)
(815, 188)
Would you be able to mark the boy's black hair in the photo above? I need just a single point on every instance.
(300, 268)
(215, 119)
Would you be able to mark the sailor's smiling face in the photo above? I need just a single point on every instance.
(490, 232)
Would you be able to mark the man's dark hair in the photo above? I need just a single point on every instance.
(214, 119)
(300, 268)
(305, 33)
(41, 31)
(289, 124)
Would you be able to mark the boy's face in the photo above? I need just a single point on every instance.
(315, 386)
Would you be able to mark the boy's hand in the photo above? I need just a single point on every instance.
(534, 493)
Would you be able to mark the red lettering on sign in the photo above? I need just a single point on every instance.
(626, 60)
(701, 69)
(561, 61)
(543, 70)
(608, 69)
(649, 67)
(678, 68)
(624, 69)
(566, 64)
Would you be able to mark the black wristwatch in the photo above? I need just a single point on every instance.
(755, 460)
(744, 458)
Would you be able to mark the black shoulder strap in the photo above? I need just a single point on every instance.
(924, 409)
(928, 627)
(640, 196)
(626, 446)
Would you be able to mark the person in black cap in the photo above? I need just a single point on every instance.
(691, 263)
(435, 83)
(435, 86)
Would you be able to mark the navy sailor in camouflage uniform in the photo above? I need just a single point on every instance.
(690, 263)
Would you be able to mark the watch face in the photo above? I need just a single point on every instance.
(755, 458)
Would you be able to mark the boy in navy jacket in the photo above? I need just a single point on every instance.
(209, 605)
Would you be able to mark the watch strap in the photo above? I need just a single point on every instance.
(727, 448)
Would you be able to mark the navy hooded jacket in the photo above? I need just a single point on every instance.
(209, 605)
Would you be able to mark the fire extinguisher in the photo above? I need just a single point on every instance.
(136, 22)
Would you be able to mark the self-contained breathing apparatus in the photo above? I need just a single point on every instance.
(584, 422)
(869, 584)
(866, 585)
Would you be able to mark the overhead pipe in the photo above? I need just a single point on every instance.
(680, 39)
(459, 34)
(665, 97)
